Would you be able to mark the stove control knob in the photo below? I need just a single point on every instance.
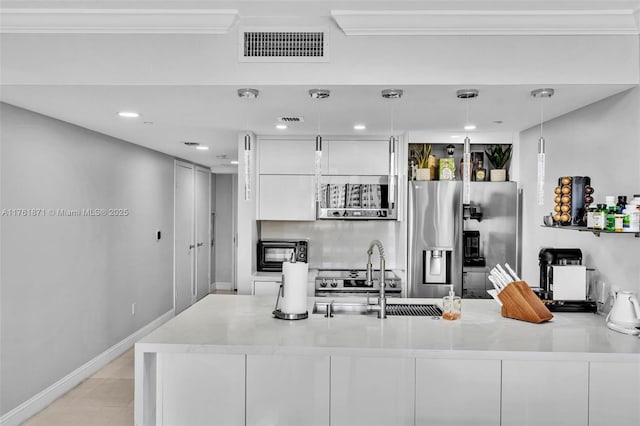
(323, 283)
(393, 284)
(334, 284)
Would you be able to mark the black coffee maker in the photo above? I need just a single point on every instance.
(547, 259)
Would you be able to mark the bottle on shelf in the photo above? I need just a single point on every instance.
(479, 172)
(612, 210)
(599, 217)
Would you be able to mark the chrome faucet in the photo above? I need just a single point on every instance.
(381, 307)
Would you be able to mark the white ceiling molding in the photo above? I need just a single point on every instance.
(117, 21)
(488, 22)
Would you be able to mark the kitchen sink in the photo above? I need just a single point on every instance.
(393, 309)
(353, 308)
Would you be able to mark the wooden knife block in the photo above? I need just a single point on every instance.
(520, 302)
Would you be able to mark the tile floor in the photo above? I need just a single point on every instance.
(104, 399)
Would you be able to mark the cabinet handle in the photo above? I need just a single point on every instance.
(200, 244)
(191, 246)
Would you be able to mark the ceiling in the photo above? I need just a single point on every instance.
(214, 116)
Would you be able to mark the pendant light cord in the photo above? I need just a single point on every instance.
(541, 116)
(466, 117)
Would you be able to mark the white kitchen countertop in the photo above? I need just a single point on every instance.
(244, 324)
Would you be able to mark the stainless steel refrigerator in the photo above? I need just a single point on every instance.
(434, 221)
(449, 244)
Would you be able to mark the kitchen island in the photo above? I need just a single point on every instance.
(227, 361)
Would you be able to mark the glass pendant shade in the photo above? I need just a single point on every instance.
(392, 171)
(541, 167)
(466, 171)
(542, 94)
(318, 167)
(247, 167)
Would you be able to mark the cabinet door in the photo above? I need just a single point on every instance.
(545, 393)
(266, 288)
(201, 389)
(614, 394)
(358, 157)
(287, 390)
(287, 197)
(457, 392)
(288, 157)
(372, 391)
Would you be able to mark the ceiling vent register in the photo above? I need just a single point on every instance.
(284, 46)
(291, 119)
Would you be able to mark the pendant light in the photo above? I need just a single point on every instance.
(248, 94)
(466, 94)
(318, 94)
(392, 94)
(542, 94)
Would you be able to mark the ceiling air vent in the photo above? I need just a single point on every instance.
(294, 45)
(291, 119)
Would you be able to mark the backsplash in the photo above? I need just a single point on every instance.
(340, 244)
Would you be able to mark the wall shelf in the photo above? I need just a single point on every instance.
(595, 232)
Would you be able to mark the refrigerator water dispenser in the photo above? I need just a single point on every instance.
(436, 266)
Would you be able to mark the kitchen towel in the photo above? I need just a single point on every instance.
(294, 280)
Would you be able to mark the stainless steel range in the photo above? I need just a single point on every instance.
(352, 282)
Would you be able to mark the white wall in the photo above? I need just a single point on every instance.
(601, 141)
(340, 244)
(68, 283)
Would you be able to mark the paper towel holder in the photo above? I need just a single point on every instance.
(277, 313)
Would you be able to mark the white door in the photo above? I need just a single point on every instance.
(203, 245)
(183, 240)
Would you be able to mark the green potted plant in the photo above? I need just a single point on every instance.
(420, 154)
(499, 156)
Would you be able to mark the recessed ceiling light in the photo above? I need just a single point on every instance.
(455, 136)
(359, 127)
(202, 148)
(470, 127)
(281, 126)
(233, 162)
(128, 114)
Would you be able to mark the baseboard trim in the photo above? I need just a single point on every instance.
(42, 399)
(223, 286)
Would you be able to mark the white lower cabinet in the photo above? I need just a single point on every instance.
(545, 393)
(457, 392)
(266, 288)
(372, 391)
(287, 197)
(201, 389)
(614, 394)
(287, 390)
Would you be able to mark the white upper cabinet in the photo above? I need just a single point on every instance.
(287, 197)
(356, 157)
(288, 157)
(339, 157)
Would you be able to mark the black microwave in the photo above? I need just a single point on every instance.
(271, 253)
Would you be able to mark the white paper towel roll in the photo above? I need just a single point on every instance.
(294, 278)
